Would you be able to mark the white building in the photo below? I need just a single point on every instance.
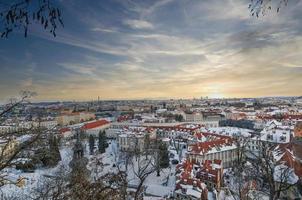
(26, 125)
(193, 117)
(129, 141)
(213, 147)
(274, 132)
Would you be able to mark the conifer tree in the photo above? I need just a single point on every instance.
(102, 142)
(163, 155)
(56, 149)
(146, 144)
(91, 144)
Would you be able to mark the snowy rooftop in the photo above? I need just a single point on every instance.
(229, 131)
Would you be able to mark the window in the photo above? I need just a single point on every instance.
(269, 137)
(282, 138)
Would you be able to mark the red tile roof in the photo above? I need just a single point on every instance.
(205, 172)
(204, 147)
(123, 118)
(63, 130)
(95, 124)
(289, 159)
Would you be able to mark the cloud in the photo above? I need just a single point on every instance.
(138, 24)
(97, 29)
(27, 83)
(197, 48)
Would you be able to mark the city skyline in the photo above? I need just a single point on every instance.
(157, 49)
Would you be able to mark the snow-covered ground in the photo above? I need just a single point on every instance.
(162, 185)
(32, 179)
(223, 196)
(99, 164)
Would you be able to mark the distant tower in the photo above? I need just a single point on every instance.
(75, 109)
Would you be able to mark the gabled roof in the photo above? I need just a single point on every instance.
(95, 124)
(63, 130)
(287, 158)
(204, 147)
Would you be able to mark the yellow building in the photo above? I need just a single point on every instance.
(74, 118)
(8, 146)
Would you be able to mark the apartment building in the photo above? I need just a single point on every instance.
(7, 146)
(213, 147)
(194, 180)
(129, 141)
(74, 118)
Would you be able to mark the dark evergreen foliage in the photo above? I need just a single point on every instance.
(237, 123)
(179, 118)
(102, 142)
(163, 155)
(91, 144)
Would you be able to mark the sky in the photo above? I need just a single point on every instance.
(126, 49)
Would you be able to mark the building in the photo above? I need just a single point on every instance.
(74, 118)
(8, 129)
(288, 169)
(26, 125)
(188, 186)
(274, 132)
(298, 129)
(48, 124)
(194, 180)
(133, 138)
(297, 150)
(211, 119)
(210, 123)
(66, 132)
(211, 173)
(193, 117)
(93, 128)
(259, 124)
(236, 115)
(179, 131)
(8, 146)
(209, 146)
(131, 142)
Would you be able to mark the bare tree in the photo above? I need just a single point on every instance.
(142, 168)
(53, 186)
(239, 166)
(273, 177)
(34, 137)
(24, 98)
(261, 7)
(112, 186)
(8, 154)
(20, 14)
(147, 144)
(259, 172)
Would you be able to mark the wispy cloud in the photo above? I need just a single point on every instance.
(138, 24)
(164, 48)
(97, 29)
